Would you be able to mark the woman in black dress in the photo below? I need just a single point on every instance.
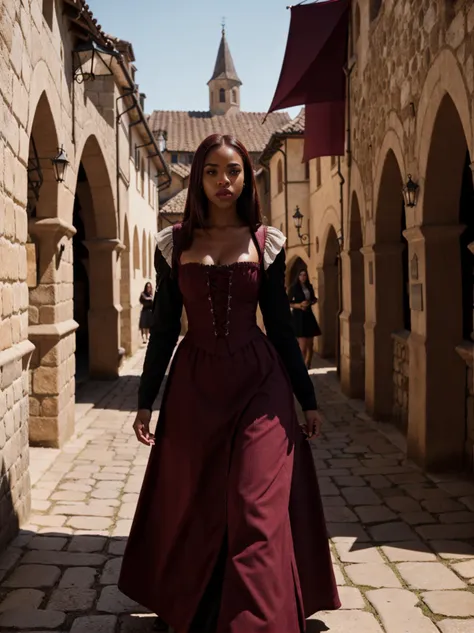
(146, 315)
(302, 297)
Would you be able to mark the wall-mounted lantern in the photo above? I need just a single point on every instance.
(60, 165)
(410, 192)
(92, 60)
(298, 222)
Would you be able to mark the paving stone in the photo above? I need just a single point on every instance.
(425, 492)
(68, 495)
(451, 603)
(78, 487)
(72, 599)
(391, 532)
(105, 493)
(437, 506)
(403, 504)
(90, 523)
(26, 598)
(25, 618)
(81, 577)
(10, 557)
(351, 552)
(122, 528)
(446, 532)
(337, 531)
(466, 569)
(26, 576)
(327, 488)
(127, 510)
(351, 598)
(372, 575)
(350, 481)
(67, 559)
(47, 543)
(418, 518)
(457, 488)
(457, 517)
(451, 550)
(329, 502)
(48, 520)
(113, 601)
(409, 551)
(117, 546)
(468, 501)
(87, 510)
(137, 623)
(456, 626)
(87, 543)
(339, 576)
(429, 576)
(344, 622)
(398, 611)
(339, 514)
(361, 496)
(375, 514)
(377, 481)
(94, 624)
(110, 575)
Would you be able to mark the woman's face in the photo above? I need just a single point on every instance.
(149, 288)
(303, 276)
(223, 177)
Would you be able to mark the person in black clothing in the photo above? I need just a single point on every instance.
(146, 315)
(302, 297)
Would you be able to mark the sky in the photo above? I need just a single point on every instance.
(176, 42)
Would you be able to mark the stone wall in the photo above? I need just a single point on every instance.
(401, 364)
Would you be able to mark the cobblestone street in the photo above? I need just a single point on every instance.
(402, 542)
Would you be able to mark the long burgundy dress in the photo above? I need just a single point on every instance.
(229, 533)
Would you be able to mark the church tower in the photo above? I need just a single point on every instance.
(224, 85)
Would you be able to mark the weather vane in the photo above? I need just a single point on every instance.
(223, 24)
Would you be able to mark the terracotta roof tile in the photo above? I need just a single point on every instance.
(176, 204)
(186, 130)
(181, 169)
(296, 125)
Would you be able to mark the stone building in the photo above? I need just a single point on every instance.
(75, 246)
(181, 132)
(405, 306)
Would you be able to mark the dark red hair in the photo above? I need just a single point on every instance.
(195, 211)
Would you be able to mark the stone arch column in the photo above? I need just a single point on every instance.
(384, 291)
(103, 247)
(353, 315)
(328, 288)
(441, 387)
(51, 325)
(125, 292)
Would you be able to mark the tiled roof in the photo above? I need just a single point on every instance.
(224, 68)
(186, 130)
(176, 204)
(295, 127)
(180, 169)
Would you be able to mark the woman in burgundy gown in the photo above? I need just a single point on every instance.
(229, 533)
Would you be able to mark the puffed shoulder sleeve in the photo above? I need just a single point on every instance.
(166, 324)
(276, 314)
(274, 242)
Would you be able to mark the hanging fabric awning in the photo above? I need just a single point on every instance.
(313, 74)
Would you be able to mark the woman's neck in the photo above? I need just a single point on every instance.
(222, 218)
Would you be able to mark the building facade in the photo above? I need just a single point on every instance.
(397, 280)
(73, 250)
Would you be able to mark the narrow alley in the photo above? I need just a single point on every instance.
(402, 542)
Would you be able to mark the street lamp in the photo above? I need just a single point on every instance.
(410, 192)
(60, 165)
(92, 60)
(298, 222)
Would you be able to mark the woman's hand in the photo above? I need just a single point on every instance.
(141, 426)
(313, 423)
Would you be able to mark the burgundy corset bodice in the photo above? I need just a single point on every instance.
(221, 304)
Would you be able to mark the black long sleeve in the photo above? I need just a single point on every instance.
(164, 333)
(276, 314)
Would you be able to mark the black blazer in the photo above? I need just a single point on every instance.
(166, 328)
(296, 294)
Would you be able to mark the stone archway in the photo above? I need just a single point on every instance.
(125, 292)
(293, 269)
(353, 316)
(441, 384)
(96, 251)
(50, 326)
(328, 291)
(387, 305)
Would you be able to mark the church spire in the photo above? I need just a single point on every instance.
(224, 85)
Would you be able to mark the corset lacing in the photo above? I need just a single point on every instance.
(219, 284)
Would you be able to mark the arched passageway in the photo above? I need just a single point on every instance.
(328, 290)
(441, 383)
